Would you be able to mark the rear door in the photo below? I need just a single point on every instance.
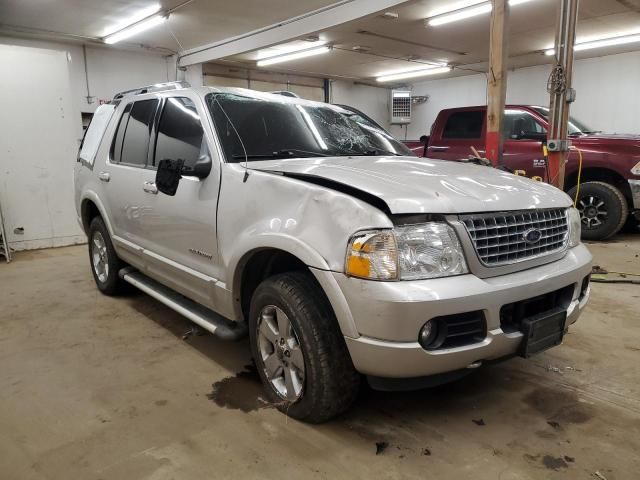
(125, 172)
(456, 133)
(519, 153)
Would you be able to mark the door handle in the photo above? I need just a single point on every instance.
(104, 176)
(439, 149)
(150, 187)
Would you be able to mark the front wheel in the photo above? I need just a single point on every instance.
(299, 350)
(603, 209)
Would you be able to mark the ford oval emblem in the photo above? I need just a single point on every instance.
(531, 236)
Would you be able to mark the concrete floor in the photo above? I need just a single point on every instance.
(105, 388)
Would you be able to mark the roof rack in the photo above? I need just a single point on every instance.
(158, 87)
(285, 93)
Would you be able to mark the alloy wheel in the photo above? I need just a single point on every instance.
(100, 257)
(280, 352)
(593, 211)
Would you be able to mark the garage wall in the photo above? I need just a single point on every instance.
(110, 71)
(373, 101)
(606, 88)
(37, 149)
(42, 93)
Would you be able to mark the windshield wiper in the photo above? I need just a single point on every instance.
(380, 151)
(284, 153)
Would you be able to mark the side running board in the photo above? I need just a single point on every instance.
(202, 316)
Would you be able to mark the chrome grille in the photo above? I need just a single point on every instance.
(499, 238)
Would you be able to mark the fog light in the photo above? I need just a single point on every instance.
(428, 334)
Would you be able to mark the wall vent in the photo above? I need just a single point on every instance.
(400, 107)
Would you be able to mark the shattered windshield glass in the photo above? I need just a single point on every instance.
(264, 129)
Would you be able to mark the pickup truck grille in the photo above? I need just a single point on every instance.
(510, 237)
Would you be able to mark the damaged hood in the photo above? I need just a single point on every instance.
(421, 185)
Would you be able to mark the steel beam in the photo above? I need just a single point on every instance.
(311, 22)
(560, 91)
(497, 80)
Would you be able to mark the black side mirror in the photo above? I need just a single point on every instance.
(424, 139)
(538, 136)
(201, 169)
(168, 175)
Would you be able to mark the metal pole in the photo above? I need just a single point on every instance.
(560, 91)
(497, 80)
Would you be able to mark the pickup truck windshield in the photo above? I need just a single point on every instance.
(264, 129)
(575, 127)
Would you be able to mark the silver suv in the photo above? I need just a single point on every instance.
(315, 232)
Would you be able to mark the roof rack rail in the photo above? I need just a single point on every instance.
(158, 87)
(285, 93)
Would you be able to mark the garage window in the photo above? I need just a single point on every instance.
(464, 125)
(180, 133)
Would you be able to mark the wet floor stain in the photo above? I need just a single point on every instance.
(554, 463)
(242, 391)
(560, 407)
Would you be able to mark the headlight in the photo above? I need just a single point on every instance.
(428, 250)
(575, 226)
(636, 169)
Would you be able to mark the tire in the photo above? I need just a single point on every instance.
(603, 209)
(101, 252)
(327, 384)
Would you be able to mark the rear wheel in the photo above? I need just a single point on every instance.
(105, 264)
(299, 350)
(603, 209)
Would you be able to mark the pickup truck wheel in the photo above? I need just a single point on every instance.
(299, 350)
(105, 264)
(603, 209)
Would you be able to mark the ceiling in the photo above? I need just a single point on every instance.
(192, 24)
(390, 44)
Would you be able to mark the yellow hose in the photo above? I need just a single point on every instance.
(575, 200)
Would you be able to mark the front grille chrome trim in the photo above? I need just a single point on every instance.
(498, 238)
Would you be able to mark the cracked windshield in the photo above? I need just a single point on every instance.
(255, 128)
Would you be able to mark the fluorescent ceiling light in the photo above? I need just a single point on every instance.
(288, 48)
(468, 10)
(293, 56)
(602, 42)
(413, 74)
(421, 66)
(135, 18)
(135, 29)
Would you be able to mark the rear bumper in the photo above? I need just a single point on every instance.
(389, 315)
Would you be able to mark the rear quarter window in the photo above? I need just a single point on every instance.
(464, 125)
(95, 132)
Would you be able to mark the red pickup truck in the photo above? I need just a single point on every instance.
(609, 190)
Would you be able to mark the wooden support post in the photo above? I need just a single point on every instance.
(560, 91)
(497, 79)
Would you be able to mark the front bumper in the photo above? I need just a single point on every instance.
(389, 315)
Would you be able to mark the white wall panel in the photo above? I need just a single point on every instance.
(38, 148)
(607, 88)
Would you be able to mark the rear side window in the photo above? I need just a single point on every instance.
(116, 147)
(464, 125)
(133, 133)
(95, 132)
(518, 123)
(180, 133)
